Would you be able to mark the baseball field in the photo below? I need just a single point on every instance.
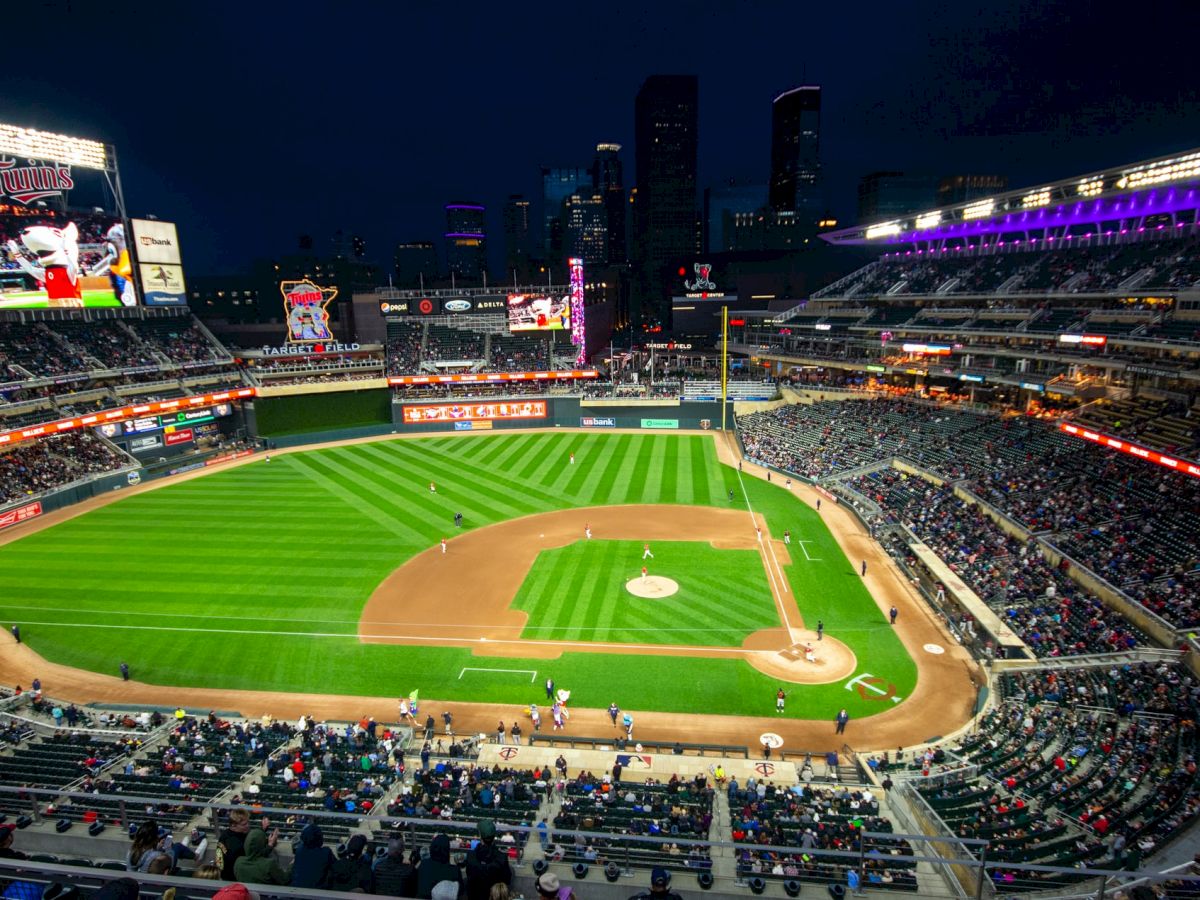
(322, 572)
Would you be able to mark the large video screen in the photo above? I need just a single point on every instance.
(454, 412)
(63, 260)
(532, 312)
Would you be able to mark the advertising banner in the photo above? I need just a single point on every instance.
(121, 413)
(155, 241)
(456, 412)
(660, 423)
(597, 422)
(493, 377)
(20, 514)
(179, 436)
(1124, 446)
(162, 284)
(143, 444)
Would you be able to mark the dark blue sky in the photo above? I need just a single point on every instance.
(252, 123)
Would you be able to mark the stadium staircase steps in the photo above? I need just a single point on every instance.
(136, 340)
(949, 285)
(1137, 279)
(724, 860)
(1009, 285)
(94, 365)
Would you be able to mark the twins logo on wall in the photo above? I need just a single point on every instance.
(35, 180)
(304, 304)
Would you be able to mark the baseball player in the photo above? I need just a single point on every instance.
(443, 545)
(643, 574)
(432, 488)
(780, 697)
(587, 531)
(572, 459)
(646, 554)
(787, 536)
(809, 656)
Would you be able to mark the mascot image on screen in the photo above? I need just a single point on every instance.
(56, 269)
(116, 266)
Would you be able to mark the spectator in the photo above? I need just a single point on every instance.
(660, 887)
(231, 843)
(352, 870)
(437, 868)
(486, 865)
(312, 860)
(259, 865)
(394, 876)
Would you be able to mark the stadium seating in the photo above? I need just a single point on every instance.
(51, 462)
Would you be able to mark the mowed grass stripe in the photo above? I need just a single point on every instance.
(514, 500)
(702, 476)
(387, 504)
(359, 503)
(636, 485)
(603, 470)
(437, 509)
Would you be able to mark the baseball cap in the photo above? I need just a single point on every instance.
(487, 828)
(659, 877)
(547, 883)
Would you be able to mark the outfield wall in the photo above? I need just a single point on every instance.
(272, 417)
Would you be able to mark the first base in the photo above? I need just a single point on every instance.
(652, 587)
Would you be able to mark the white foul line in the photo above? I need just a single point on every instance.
(532, 672)
(805, 551)
(776, 594)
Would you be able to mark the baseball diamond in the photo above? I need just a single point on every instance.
(191, 577)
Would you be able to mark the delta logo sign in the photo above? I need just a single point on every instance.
(35, 180)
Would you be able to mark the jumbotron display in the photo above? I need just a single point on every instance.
(528, 312)
(61, 260)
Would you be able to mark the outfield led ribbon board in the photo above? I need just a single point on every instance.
(466, 412)
(20, 513)
(1154, 456)
(142, 410)
(493, 377)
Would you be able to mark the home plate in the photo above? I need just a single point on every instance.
(652, 587)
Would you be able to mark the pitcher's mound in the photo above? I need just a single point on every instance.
(652, 587)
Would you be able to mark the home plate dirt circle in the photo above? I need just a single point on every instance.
(785, 655)
(652, 587)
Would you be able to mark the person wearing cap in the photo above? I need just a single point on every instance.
(6, 842)
(395, 876)
(486, 865)
(231, 843)
(437, 867)
(549, 888)
(352, 870)
(445, 890)
(660, 887)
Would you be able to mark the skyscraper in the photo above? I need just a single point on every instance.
(666, 135)
(466, 242)
(518, 239)
(416, 264)
(608, 181)
(795, 153)
(723, 204)
(887, 195)
(585, 227)
(557, 185)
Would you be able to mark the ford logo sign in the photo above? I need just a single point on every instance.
(457, 305)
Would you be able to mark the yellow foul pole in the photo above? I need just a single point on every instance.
(724, 361)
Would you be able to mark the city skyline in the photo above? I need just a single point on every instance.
(246, 153)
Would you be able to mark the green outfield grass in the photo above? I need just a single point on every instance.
(255, 577)
(93, 298)
(577, 593)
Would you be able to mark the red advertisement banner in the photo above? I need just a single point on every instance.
(1154, 456)
(20, 514)
(124, 412)
(493, 377)
(467, 412)
(178, 436)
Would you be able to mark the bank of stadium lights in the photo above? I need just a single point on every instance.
(29, 143)
(884, 229)
(1034, 199)
(1157, 173)
(1090, 187)
(980, 210)
(928, 220)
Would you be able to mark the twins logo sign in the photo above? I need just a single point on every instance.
(304, 303)
(871, 687)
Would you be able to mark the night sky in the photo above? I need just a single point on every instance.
(252, 123)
